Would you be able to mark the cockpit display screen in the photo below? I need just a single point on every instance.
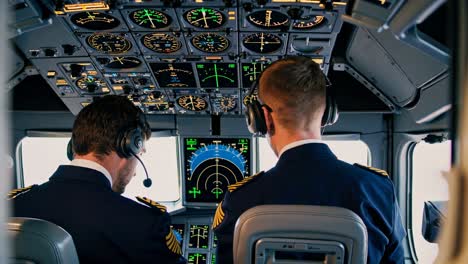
(217, 75)
(212, 164)
(251, 71)
(199, 236)
(174, 75)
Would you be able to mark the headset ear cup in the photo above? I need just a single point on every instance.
(330, 116)
(70, 153)
(131, 143)
(255, 118)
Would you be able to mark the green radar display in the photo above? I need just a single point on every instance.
(212, 164)
(217, 75)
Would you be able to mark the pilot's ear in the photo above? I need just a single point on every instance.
(270, 125)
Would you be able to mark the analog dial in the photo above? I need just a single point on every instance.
(268, 19)
(206, 18)
(123, 63)
(94, 21)
(210, 42)
(150, 18)
(225, 104)
(161, 42)
(192, 103)
(109, 43)
(262, 42)
(314, 21)
(90, 84)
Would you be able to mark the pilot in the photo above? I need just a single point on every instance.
(292, 101)
(85, 198)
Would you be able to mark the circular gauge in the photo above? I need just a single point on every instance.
(157, 106)
(109, 43)
(123, 63)
(210, 42)
(150, 18)
(211, 169)
(161, 42)
(268, 19)
(192, 103)
(262, 42)
(94, 20)
(225, 104)
(89, 84)
(315, 21)
(207, 18)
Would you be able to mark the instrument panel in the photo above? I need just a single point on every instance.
(193, 58)
(212, 164)
(198, 239)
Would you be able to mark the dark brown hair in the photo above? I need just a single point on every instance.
(294, 87)
(99, 125)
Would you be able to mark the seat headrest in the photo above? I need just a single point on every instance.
(39, 241)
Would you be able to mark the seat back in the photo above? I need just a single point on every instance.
(299, 234)
(39, 241)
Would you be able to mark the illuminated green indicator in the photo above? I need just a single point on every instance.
(194, 192)
(191, 142)
(217, 192)
(232, 65)
(216, 75)
(244, 145)
(200, 66)
(246, 68)
(213, 258)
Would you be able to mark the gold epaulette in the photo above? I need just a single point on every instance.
(236, 185)
(152, 203)
(14, 193)
(219, 216)
(172, 243)
(372, 169)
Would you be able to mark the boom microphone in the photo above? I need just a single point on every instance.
(146, 182)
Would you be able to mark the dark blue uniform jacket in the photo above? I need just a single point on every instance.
(311, 175)
(106, 227)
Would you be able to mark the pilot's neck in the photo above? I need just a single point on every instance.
(282, 138)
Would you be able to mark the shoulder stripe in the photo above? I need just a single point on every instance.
(14, 193)
(172, 243)
(236, 185)
(152, 203)
(372, 169)
(219, 216)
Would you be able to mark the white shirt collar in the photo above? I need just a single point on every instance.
(92, 165)
(299, 143)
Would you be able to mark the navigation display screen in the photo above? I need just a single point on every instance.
(174, 75)
(212, 164)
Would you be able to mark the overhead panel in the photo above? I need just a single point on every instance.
(187, 57)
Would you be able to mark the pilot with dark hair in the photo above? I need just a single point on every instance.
(292, 101)
(85, 197)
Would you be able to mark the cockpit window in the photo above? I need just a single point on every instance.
(429, 184)
(351, 151)
(40, 157)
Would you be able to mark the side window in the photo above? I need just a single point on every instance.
(428, 184)
(40, 157)
(351, 151)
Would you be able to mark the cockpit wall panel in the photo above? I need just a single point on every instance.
(396, 68)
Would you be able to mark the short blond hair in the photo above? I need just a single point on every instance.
(294, 87)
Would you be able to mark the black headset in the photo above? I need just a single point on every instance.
(128, 144)
(256, 120)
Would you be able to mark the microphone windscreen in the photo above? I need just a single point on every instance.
(147, 182)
